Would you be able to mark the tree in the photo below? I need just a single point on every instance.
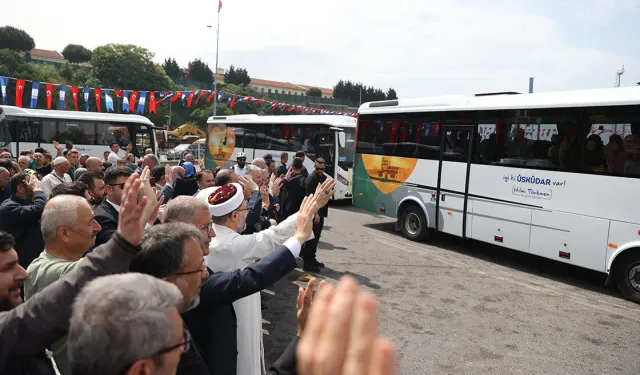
(357, 91)
(237, 76)
(128, 66)
(172, 68)
(15, 39)
(315, 92)
(199, 71)
(76, 53)
(391, 94)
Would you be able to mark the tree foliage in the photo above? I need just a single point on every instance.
(314, 91)
(199, 71)
(172, 68)
(351, 91)
(237, 76)
(391, 94)
(15, 39)
(128, 66)
(76, 53)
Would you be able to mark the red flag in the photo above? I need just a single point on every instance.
(152, 102)
(132, 101)
(210, 97)
(233, 101)
(190, 98)
(219, 5)
(176, 96)
(118, 93)
(19, 92)
(200, 96)
(247, 99)
(49, 87)
(97, 96)
(74, 91)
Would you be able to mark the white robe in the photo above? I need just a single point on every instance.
(231, 251)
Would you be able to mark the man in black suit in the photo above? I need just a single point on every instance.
(310, 247)
(107, 212)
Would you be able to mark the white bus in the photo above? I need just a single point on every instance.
(90, 132)
(552, 174)
(330, 137)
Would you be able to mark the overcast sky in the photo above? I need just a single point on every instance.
(419, 47)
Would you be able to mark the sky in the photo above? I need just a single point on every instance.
(418, 47)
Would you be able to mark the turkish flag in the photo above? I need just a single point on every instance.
(190, 98)
(233, 101)
(74, 90)
(177, 96)
(118, 93)
(152, 102)
(19, 92)
(132, 101)
(97, 96)
(200, 96)
(210, 97)
(49, 87)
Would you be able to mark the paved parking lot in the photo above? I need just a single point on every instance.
(462, 307)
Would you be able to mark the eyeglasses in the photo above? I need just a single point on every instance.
(185, 343)
(203, 268)
(207, 227)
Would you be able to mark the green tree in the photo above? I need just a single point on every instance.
(172, 68)
(76, 53)
(9, 62)
(237, 76)
(357, 91)
(128, 66)
(314, 92)
(199, 71)
(15, 39)
(391, 94)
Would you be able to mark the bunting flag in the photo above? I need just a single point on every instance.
(96, 94)
(35, 87)
(63, 93)
(219, 5)
(190, 98)
(49, 87)
(85, 91)
(118, 93)
(132, 101)
(176, 96)
(143, 98)
(19, 92)
(74, 91)
(200, 96)
(152, 102)
(210, 97)
(108, 102)
(125, 101)
(3, 84)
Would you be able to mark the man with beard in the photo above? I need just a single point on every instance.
(230, 250)
(69, 229)
(20, 216)
(241, 159)
(95, 187)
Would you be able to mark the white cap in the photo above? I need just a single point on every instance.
(59, 160)
(241, 155)
(226, 207)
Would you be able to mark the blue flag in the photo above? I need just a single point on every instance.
(85, 91)
(35, 87)
(3, 84)
(63, 92)
(125, 101)
(108, 101)
(141, 101)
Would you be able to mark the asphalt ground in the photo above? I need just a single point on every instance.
(454, 306)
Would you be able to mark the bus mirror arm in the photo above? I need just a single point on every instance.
(341, 139)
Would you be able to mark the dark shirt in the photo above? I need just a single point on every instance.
(291, 196)
(21, 218)
(311, 184)
(44, 170)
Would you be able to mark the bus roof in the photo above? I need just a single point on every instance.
(332, 120)
(560, 99)
(74, 115)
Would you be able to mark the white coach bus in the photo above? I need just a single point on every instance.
(90, 132)
(551, 174)
(331, 137)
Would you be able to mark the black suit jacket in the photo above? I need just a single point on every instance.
(311, 184)
(213, 323)
(22, 219)
(107, 216)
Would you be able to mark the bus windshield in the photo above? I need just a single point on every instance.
(347, 153)
(5, 135)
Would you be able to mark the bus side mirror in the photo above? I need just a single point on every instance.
(341, 139)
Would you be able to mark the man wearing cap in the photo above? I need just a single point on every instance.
(57, 176)
(230, 251)
(239, 168)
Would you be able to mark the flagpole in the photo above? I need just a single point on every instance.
(215, 80)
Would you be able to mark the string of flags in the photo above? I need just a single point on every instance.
(129, 98)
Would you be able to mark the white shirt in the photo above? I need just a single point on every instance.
(52, 180)
(240, 171)
(117, 208)
(113, 158)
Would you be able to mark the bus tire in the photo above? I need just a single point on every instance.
(413, 224)
(626, 273)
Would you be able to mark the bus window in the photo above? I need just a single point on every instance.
(17, 127)
(5, 135)
(78, 132)
(108, 133)
(48, 131)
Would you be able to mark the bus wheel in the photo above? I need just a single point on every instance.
(627, 275)
(414, 224)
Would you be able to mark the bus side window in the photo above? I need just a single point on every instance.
(49, 131)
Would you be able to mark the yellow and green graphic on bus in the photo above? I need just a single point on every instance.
(388, 172)
(221, 141)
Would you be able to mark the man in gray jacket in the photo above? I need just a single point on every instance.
(28, 329)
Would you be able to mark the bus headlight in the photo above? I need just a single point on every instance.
(343, 180)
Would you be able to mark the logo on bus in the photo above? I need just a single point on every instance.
(222, 142)
(388, 172)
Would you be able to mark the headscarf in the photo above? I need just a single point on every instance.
(176, 173)
(191, 170)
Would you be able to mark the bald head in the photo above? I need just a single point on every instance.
(151, 161)
(225, 176)
(68, 226)
(94, 165)
(60, 211)
(260, 163)
(183, 208)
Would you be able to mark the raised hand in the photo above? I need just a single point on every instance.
(56, 145)
(324, 192)
(248, 185)
(289, 174)
(34, 183)
(275, 185)
(341, 335)
(304, 222)
(168, 176)
(131, 220)
(264, 192)
(129, 148)
(305, 299)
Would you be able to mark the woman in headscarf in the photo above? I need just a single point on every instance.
(189, 169)
(185, 184)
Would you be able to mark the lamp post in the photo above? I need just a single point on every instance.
(215, 80)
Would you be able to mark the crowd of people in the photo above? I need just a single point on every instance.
(146, 269)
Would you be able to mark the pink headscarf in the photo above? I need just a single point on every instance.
(176, 173)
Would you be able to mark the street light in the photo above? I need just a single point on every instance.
(215, 81)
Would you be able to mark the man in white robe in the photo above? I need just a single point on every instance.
(230, 250)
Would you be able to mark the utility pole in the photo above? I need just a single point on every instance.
(215, 80)
(619, 74)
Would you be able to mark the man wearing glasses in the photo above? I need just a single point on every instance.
(310, 247)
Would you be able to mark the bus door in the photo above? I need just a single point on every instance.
(249, 145)
(453, 179)
(324, 146)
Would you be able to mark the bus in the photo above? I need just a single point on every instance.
(551, 174)
(90, 132)
(327, 136)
